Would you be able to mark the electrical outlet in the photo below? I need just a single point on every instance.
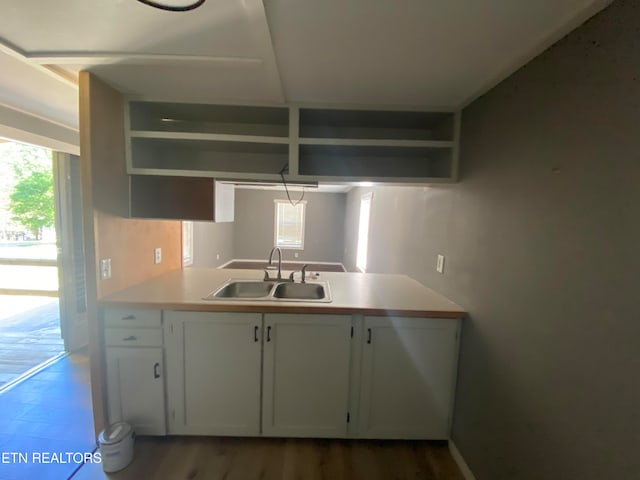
(440, 264)
(296, 254)
(105, 268)
(157, 255)
(217, 256)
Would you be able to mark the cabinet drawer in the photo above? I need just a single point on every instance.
(133, 337)
(131, 317)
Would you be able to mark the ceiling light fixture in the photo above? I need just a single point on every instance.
(173, 6)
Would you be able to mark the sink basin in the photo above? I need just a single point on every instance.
(300, 291)
(243, 289)
(276, 291)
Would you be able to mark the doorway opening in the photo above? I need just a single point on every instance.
(36, 325)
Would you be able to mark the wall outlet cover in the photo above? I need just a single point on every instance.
(157, 255)
(440, 264)
(105, 268)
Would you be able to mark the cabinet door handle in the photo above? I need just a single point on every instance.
(130, 338)
(156, 370)
(255, 333)
(368, 335)
(129, 317)
(269, 333)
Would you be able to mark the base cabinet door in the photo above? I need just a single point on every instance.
(306, 375)
(135, 385)
(213, 372)
(408, 377)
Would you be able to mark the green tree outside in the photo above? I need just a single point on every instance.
(30, 201)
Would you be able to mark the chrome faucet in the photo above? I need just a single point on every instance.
(303, 272)
(266, 272)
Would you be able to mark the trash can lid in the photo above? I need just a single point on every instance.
(114, 433)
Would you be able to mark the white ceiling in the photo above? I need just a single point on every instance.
(427, 53)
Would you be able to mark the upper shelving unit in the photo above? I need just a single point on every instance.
(308, 144)
(222, 141)
(376, 145)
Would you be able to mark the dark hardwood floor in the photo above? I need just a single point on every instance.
(212, 458)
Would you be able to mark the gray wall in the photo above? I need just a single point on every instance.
(541, 240)
(211, 239)
(254, 223)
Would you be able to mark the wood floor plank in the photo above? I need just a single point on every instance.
(213, 458)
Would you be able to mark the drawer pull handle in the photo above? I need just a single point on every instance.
(129, 317)
(269, 333)
(156, 370)
(255, 333)
(368, 335)
(130, 338)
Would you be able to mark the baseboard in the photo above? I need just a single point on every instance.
(298, 262)
(462, 465)
(225, 264)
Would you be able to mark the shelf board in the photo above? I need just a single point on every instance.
(406, 181)
(376, 143)
(206, 173)
(218, 137)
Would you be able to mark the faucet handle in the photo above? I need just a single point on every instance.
(291, 277)
(266, 275)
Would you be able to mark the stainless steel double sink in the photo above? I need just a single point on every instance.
(272, 290)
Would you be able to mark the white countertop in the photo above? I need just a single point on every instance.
(352, 293)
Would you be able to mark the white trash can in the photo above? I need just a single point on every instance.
(116, 446)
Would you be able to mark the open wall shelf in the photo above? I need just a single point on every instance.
(207, 156)
(374, 162)
(307, 143)
(375, 124)
(214, 119)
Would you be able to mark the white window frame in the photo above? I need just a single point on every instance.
(364, 227)
(275, 224)
(187, 243)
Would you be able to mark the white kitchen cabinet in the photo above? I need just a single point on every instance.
(407, 380)
(135, 385)
(213, 372)
(306, 375)
(135, 369)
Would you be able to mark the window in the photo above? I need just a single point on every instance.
(363, 231)
(289, 228)
(187, 244)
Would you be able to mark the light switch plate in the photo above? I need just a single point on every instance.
(105, 268)
(157, 255)
(440, 264)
